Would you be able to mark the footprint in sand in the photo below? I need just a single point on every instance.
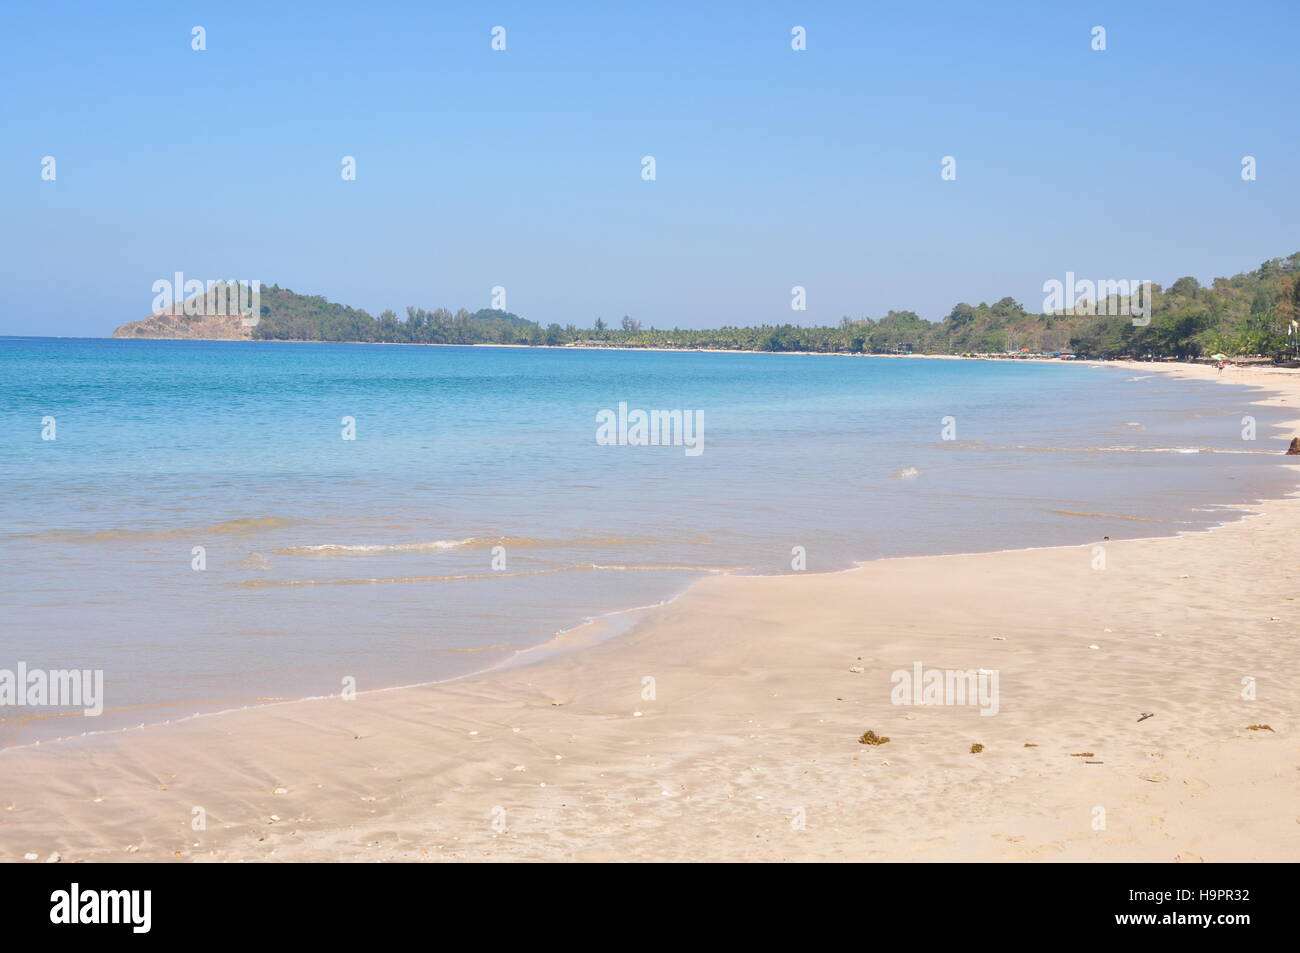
(1196, 785)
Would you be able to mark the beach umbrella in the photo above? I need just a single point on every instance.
(1219, 357)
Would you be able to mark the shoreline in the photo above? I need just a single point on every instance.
(1000, 358)
(560, 639)
(510, 690)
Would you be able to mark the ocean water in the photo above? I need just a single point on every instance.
(475, 514)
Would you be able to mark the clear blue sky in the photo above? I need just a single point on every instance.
(522, 168)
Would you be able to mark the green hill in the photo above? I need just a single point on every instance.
(287, 316)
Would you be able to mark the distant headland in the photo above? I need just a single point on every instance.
(1254, 314)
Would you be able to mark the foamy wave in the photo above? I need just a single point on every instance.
(614, 568)
(1130, 449)
(907, 473)
(329, 549)
(436, 545)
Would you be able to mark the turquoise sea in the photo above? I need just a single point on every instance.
(475, 514)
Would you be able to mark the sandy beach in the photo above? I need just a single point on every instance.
(725, 725)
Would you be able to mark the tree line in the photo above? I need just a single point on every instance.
(1250, 314)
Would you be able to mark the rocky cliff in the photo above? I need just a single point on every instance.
(217, 327)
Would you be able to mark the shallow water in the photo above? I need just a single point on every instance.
(374, 558)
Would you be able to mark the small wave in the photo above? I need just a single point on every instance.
(436, 545)
(474, 649)
(251, 524)
(722, 570)
(1083, 514)
(1186, 450)
(254, 524)
(907, 473)
(275, 583)
(1130, 449)
(462, 577)
(334, 549)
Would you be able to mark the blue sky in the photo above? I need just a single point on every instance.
(522, 168)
